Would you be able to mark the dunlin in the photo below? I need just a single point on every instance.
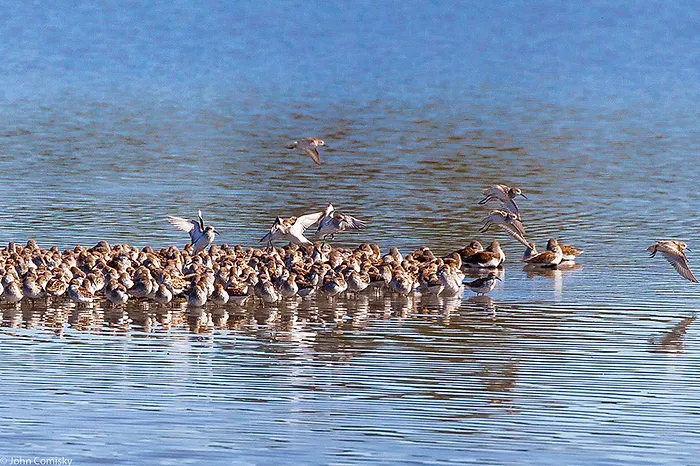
(291, 229)
(334, 222)
(505, 195)
(201, 236)
(483, 285)
(674, 253)
(549, 258)
(310, 147)
(491, 257)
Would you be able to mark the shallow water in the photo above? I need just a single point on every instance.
(116, 116)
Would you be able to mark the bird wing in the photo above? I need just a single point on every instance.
(518, 226)
(326, 224)
(511, 206)
(679, 261)
(185, 225)
(516, 235)
(496, 191)
(349, 222)
(201, 220)
(313, 153)
(544, 257)
(304, 222)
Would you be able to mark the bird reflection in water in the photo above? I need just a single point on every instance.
(442, 306)
(199, 321)
(672, 341)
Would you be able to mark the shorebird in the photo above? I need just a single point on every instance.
(509, 222)
(674, 253)
(491, 257)
(505, 195)
(569, 252)
(201, 236)
(334, 222)
(549, 258)
(310, 147)
(483, 285)
(291, 229)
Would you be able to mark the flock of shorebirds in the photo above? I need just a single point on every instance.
(203, 272)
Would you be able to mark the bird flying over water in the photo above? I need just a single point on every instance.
(674, 253)
(334, 222)
(201, 236)
(310, 147)
(292, 229)
(503, 194)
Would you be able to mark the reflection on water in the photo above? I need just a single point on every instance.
(672, 340)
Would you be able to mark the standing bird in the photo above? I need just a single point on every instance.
(310, 147)
(503, 194)
(509, 222)
(483, 285)
(201, 236)
(291, 229)
(334, 222)
(674, 253)
(552, 257)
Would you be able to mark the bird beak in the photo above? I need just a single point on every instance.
(497, 278)
(523, 195)
(216, 232)
(688, 249)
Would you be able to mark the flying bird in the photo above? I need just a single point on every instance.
(201, 236)
(292, 229)
(503, 194)
(674, 253)
(334, 222)
(310, 147)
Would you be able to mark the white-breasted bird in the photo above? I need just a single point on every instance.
(291, 229)
(201, 236)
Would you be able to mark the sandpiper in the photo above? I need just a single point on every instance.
(78, 291)
(310, 147)
(509, 222)
(115, 292)
(491, 257)
(483, 285)
(674, 253)
(198, 295)
(334, 222)
(550, 258)
(291, 229)
(569, 252)
(220, 295)
(505, 195)
(201, 236)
